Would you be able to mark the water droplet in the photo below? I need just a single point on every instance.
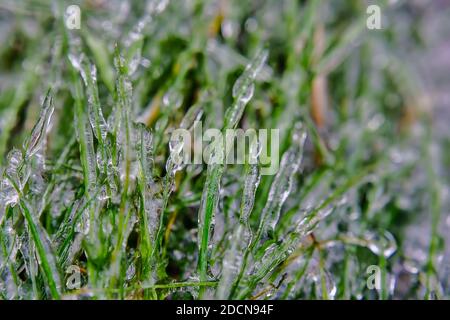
(381, 244)
(173, 99)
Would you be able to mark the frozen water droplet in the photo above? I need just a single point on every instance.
(243, 90)
(381, 244)
(173, 99)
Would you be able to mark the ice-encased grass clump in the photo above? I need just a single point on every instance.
(93, 203)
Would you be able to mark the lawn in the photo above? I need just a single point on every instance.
(341, 190)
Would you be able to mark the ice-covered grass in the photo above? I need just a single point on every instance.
(93, 204)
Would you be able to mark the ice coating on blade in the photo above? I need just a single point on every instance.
(127, 140)
(177, 147)
(9, 196)
(232, 260)
(96, 119)
(324, 282)
(26, 168)
(91, 163)
(11, 244)
(43, 250)
(282, 184)
(208, 207)
(124, 123)
(98, 122)
(242, 235)
(211, 189)
(243, 89)
(38, 134)
(133, 42)
(115, 270)
(192, 116)
(250, 186)
(150, 201)
(145, 152)
(242, 85)
(133, 222)
(83, 128)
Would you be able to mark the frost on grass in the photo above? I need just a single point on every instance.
(91, 178)
(242, 93)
